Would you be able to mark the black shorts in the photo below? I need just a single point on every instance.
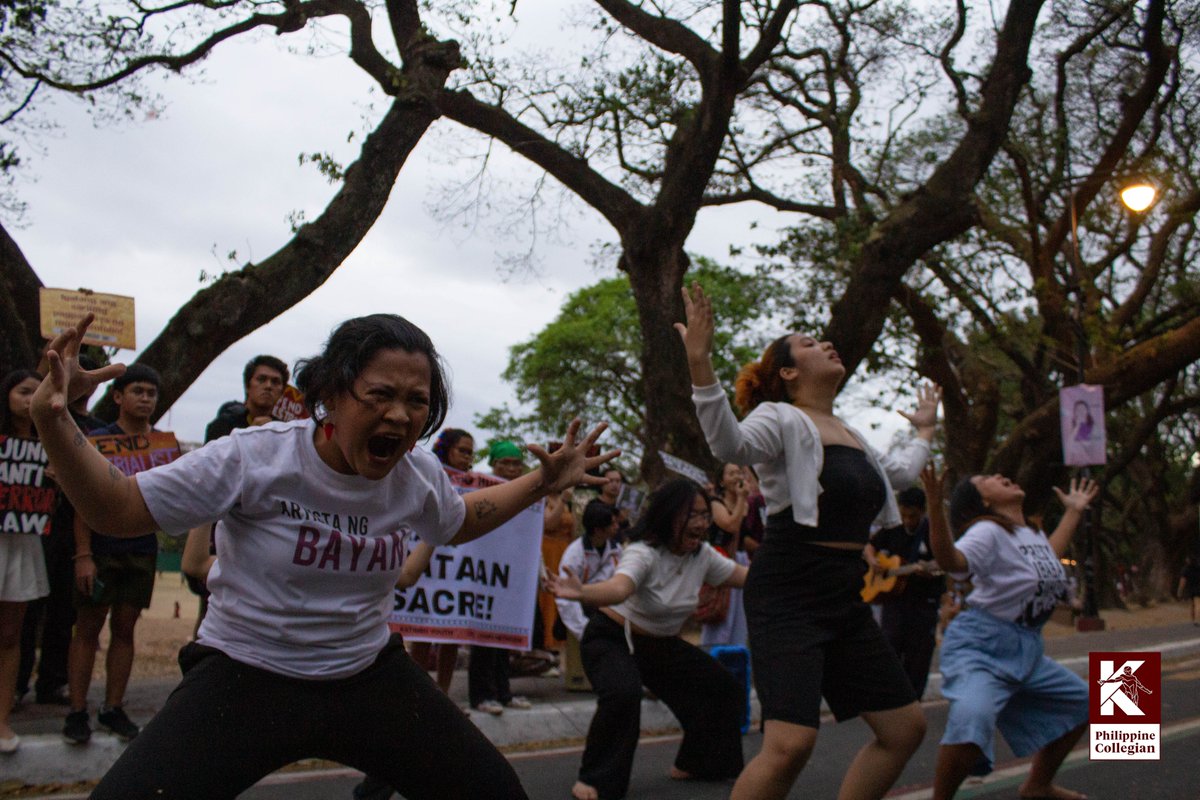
(812, 636)
(124, 579)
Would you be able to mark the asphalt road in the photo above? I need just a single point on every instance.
(549, 775)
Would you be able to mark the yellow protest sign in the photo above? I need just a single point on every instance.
(62, 308)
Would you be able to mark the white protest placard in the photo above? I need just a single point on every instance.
(684, 468)
(482, 592)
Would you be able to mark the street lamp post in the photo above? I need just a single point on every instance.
(1137, 195)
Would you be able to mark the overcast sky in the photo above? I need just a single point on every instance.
(144, 208)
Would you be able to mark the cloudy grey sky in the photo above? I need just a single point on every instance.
(145, 207)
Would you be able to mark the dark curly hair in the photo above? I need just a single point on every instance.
(351, 347)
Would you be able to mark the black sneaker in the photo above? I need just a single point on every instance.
(77, 730)
(115, 720)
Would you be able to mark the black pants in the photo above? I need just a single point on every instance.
(909, 623)
(487, 675)
(701, 693)
(49, 619)
(228, 724)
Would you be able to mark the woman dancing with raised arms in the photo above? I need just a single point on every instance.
(294, 659)
(993, 670)
(810, 633)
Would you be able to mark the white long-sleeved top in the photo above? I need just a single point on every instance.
(590, 566)
(783, 445)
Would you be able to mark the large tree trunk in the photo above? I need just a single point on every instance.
(656, 274)
(20, 337)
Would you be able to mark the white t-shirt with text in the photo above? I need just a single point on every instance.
(307, 557)
(668, 585)
(1016, 575)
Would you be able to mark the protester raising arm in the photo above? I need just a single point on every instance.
(940, 540)
(1075, 502)
(109, 501)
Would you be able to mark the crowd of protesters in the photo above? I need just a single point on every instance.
(769, 556)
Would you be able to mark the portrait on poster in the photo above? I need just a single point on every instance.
(1081, 413)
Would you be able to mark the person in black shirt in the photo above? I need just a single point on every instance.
(264, 378)
(910, 614)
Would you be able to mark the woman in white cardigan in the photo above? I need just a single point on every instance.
(811, 636)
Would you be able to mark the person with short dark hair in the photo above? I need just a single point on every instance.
(295, 659)
(264, 379)
(634, 641)
(910, 613)
(114, 581)
(593, 557)
(994, 671)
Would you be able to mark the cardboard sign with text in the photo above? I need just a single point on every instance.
(290, 405)
(136, 452)
(26, 493)
(482, 592)
(114, 324)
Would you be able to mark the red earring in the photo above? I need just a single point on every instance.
(328, 430)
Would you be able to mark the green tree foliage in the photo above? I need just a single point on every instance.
(588, 361)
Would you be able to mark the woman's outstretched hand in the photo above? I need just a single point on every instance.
(934, 482)
(568, 586)
(1081, 494)
(568, 465)
(65, 380)
(925, 416)
(697, 333)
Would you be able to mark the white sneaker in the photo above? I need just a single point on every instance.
(519, 702)
(490, 707)
(10, 745)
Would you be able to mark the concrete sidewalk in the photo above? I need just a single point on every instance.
(557, 714)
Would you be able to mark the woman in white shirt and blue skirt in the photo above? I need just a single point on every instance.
(811, 636)
(994, 672)
(634, 642)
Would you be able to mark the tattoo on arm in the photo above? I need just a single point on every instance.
(79, 440)
(484, 509)
(114, 473)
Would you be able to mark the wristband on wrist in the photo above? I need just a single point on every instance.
(78, 556)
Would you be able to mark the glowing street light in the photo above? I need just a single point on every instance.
(1139, 195)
